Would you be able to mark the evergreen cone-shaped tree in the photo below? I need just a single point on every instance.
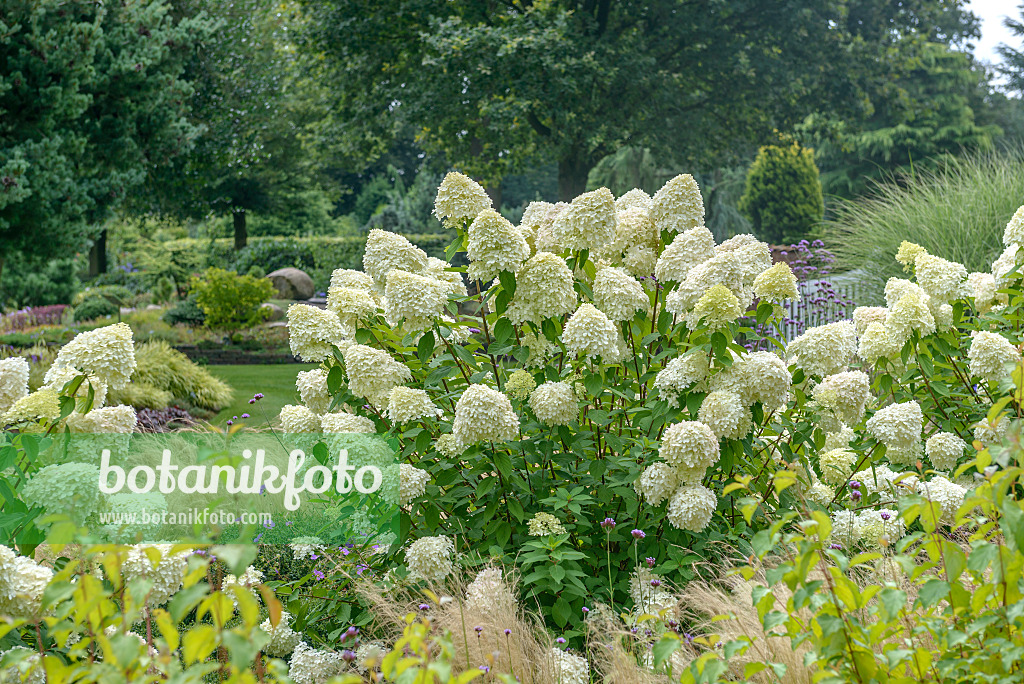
(783, 193)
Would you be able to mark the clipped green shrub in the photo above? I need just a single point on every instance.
(164, 289)
(93, 308)
(959, 211)
(161, 366)
(115, 294)
(185, 312)
(782, 196)
(140, 395)
(230, 300)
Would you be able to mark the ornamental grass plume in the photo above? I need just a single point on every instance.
(459, 198)
(678, 205)
(386, 251)
(590, 333)
(483, 414)
(544, 289)
(494, 245)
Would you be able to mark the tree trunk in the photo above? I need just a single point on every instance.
(572, 176)
(98, 255)
(241, 234)
(494, 192)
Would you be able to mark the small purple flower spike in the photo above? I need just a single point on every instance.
(835, 547)
(855, 495)
(560, 640)
(585, 610)
(650, 561)
(424, 606)
(608, 524)
(507, 631)
(245, 415)
(854, 484)
(655, 582)
(885, 516)
(638, 534)
(478, 629)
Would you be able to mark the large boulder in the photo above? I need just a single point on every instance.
(273, 312)
(292, 283)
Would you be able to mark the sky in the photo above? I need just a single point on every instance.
(991, 13)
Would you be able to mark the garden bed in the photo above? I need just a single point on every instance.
(233, 357)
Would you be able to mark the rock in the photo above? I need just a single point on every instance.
(274, 312)
(153, 307)
(292, 283)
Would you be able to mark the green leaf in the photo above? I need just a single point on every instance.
(335, 377)
(932, 592)
(561, 611)
(502, 330)
(425, 347)
(508, 282)
(663, 650)
(363, 336)
(504, 464)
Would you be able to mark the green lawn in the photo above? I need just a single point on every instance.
(275, 381)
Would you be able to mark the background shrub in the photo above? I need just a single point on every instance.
(28, 282)
(782, 196)
(185, 312)
(229, 300)
(958, 211)
(93, 308)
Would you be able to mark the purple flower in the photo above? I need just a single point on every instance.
(655, 582)
(885, 516)
(854, 484)
(484, 668)
(650, 561)
(319, 575)
(638, 534)
(560, 640)
(245, 415)
(230, 422)
(585, 610)
(608, 524)
(424, 606)
(478, 629)
(351, 632)
(253, 400)
(835, 547)
(855, 495)
(507, 631)
(348, 655)
(474, 330)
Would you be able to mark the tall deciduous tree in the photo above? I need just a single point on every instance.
(492, 84)
(92, 99)
(1013, 57)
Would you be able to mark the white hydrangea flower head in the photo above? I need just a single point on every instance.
(983, 289)
(534, 216)
(686, 251)
(896, 288)
(589, 333)
(488, 593)
(634, 228)
(640, 261)
(680, 373)
(845, 395)
(348, 277)
(989, 434)
(338, 423)
(484, 414)
(618, 294)
(312, 387)
(657, 483)
(568, 668)
(941, 279)
(880, 528)
(13, 381)
(840, 439)
(108, 353)
(754, 256)
(166, 575)
(495, 245)
(438, 268)
(372, 373)
(876, 343)
(905, 454)
(943, 315)
(309, 665)
(944, 449)
(948, 495)
(60, 377)
(776, 284)
(312, 332)
(543, 524)
(725, 414)
(27, 671)
(820, 493)
(283, 639)
(544, 289)
(387, 251)
(724, 269)
(412, 483)
(717, 308)
(845, 527)
(879, 478)
(296, 418)
(757, 377)
(65, 489)
(691, 507)
(555, 403)
(908, 252)
(863, 316)
(417, 300)
(520, 384)
(22, 583)
(990, 354)
(826, 349)
(459, 198)
(43, 404)
(448, 446)
(306, 547)
(1005, 264)
(836, 466)
(588, 223)
(351, 304)
(689, 444)
(369, 656)
(250, 579)
(545, 239)
(119, 420)
(430, 558)
(406, 404)
(912, 311)
(634, 199)
(897, 425)
(678, 205)
(1014, 232)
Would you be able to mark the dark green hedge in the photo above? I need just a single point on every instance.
(317, 256)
